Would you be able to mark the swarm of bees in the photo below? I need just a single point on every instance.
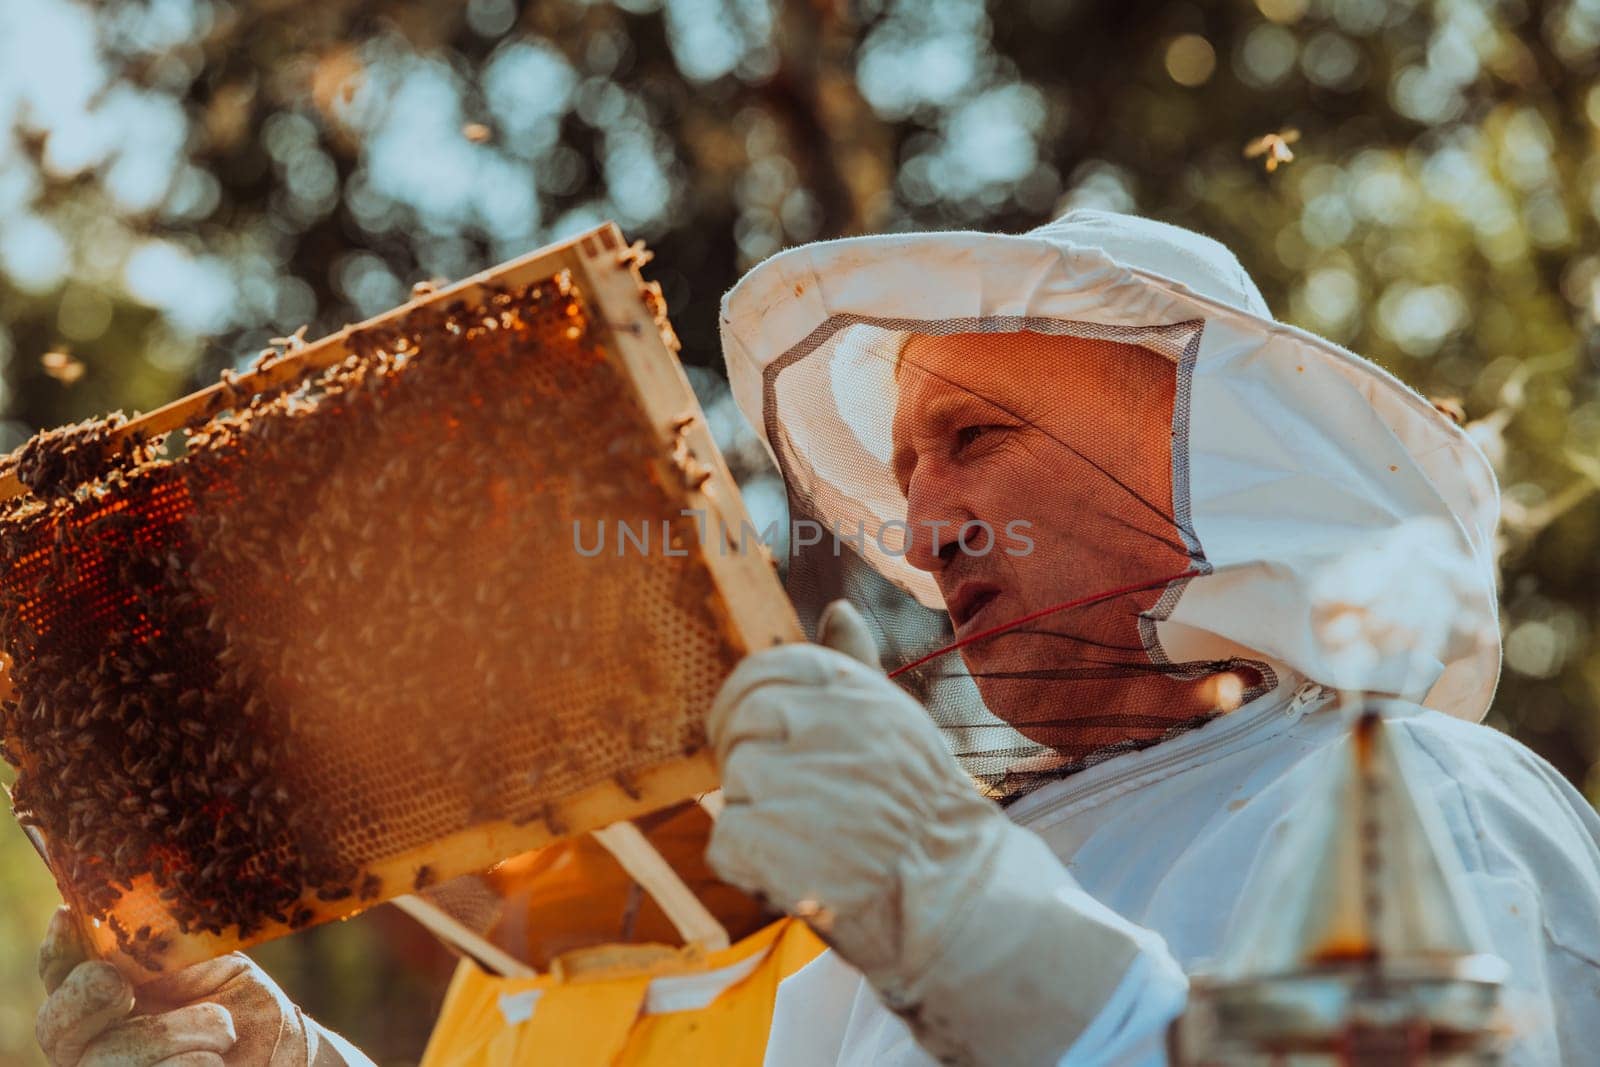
(56, 462)
(348, 623)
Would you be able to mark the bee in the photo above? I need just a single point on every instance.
(628, 784)
(1274, 147)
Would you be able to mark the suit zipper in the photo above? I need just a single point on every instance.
(1307, 697)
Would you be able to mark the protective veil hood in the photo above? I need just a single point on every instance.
(1290, 455)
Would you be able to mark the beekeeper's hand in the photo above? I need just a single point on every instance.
(844, 806)
(222, 1012)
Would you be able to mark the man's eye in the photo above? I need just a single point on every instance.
(970, 434)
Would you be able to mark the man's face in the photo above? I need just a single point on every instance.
(1068, 441)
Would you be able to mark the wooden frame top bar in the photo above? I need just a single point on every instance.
(327, 351)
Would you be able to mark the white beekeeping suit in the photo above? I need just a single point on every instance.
(1200, 524)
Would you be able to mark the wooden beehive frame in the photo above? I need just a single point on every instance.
(623, 313)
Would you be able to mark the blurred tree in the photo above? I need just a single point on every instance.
(181, 180)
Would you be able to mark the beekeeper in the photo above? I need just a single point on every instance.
(1121, 537)
(1215, 522)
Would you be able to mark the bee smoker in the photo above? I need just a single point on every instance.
(1364, 949)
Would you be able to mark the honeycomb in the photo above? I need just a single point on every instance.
(355, 635)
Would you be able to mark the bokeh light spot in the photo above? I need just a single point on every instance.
(1190, 60)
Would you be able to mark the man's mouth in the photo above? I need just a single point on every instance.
(969, 602)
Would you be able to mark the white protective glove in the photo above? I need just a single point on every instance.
(844, 806)
(222, 1012)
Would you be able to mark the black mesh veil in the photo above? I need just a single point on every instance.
(1006, 501)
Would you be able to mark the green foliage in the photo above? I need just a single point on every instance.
(27, 899)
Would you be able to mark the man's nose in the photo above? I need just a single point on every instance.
(935, 523)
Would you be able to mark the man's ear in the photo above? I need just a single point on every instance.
(842, 629)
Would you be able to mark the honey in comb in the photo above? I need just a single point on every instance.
(347, 622)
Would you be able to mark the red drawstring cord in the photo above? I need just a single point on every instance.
(1024, 620)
